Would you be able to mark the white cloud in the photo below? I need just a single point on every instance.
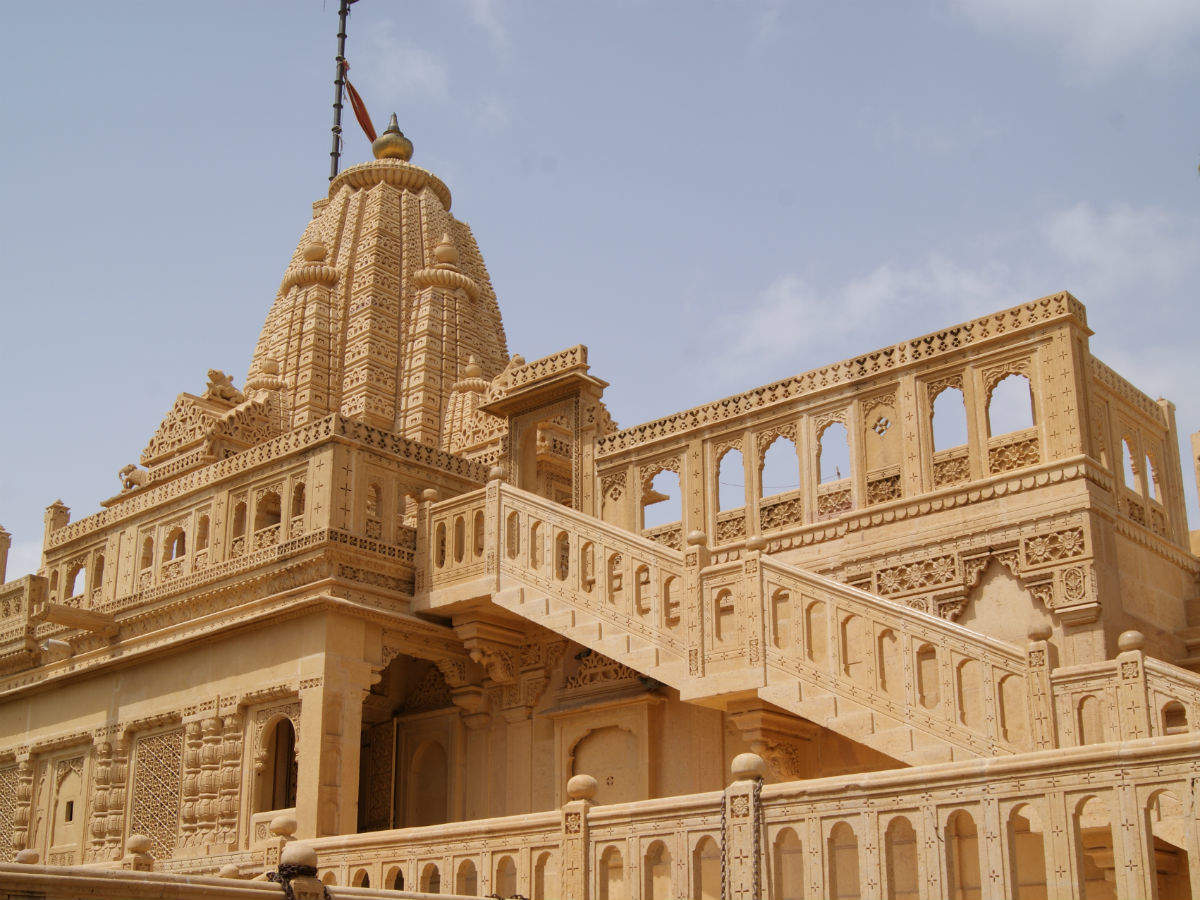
(391, 69)
(1096, 36)
(485, 15)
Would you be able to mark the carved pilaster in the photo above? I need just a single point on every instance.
(193, 741)
(230, 783)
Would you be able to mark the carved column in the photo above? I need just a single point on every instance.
(101, 771)
(22, 813)
(230, 779)
(695, 559)
(210, 765)
(193, 741)
(1133, 708)
(116, 796)
(1039, 655)
(574, 870)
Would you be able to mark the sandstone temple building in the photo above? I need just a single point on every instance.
(422, 605)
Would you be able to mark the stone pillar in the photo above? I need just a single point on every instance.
(22, 814)
(230, 779)
(327, 749)
(5, 545)
(1041, 692)
(1133, 708)
(56, 516)
(574, 871)
(745, 875)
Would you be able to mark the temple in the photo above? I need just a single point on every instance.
(422, 605)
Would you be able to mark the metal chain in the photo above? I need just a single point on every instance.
(757, 826)
(724, 853)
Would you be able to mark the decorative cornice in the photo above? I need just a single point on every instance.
(311, 273)
(446, 278)
(394, 172)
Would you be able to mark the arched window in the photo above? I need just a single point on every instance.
(1027, 854)
(427, 785)
(779, 471)
(361, 879)
(816, 633)
(616, 579)
(54, 581)
(970, 693)
(662, 500)
(1174, 718)
(431, 879)
(833, 453)
(562, 556)
(394, 880)
(544, 878)
(731, 481)
(512, 530)
(949, 419)
(670, 602)
(506, 877)
(277, 767)
(723, 617)
(175, 546)
(706, 870)
(1153, 488)
(374, 501)
(239, 519)
(477, 532)
(1128, 467)
(466, 881)
(657, 873)
(928, 691)
(147, 559)
(1010, 405)
(1094, 838)
(98, 572)
(612, 875)
(789, 866)
(266, 511)
(460, 538)
(900, 858)
(962, 855)
(587, 566)
(202, 533)
(1090, 717)
(889, 663)
(298, 500)
(76, 579)
(641, 590)
(781, 619)
(439, 544)
(843, 862)
(537, 553)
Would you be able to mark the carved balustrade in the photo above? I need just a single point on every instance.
(1114, 812)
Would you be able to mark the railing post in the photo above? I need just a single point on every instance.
(742, 872)
(755, 611)
(425, 567)
(1041, 691)
(1133, 709)
(575, 874)
(493, 524)
(695, 559)
(137, 854)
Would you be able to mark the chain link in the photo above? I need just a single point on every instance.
(724, 851)
(757, 825)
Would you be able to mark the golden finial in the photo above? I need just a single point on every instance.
(392, 144)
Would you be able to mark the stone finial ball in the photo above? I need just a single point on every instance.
(298, 853)
(229, 871)
(283, 825)
(138, 843)
(27, 857)
(1039, 631)
(429, 495)
(268, 365)
(581, 787)
(1131, 640)
(314, 252)
(697, 538)
(756, 542)
(748, 765)
(496, 473)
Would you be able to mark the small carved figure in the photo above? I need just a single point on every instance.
(131, 476)
(220, 387)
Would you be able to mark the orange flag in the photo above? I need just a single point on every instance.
(360, 108)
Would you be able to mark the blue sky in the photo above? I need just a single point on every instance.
(711, 195)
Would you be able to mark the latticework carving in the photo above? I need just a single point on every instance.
(8, 808)
(915, 576)
(1014, 455)
(1057, 545)
(157, 785)
(431, 692)
(596, 669)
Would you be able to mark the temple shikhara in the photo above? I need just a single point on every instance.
(416, 610)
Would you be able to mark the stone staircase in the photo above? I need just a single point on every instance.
(612, 591)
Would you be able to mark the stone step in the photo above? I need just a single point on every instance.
(936, 753)
(855, 724)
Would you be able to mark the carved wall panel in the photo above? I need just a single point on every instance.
(157, 785)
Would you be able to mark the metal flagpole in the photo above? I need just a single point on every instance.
(339, 82)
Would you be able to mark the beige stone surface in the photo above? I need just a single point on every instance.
(397, 596)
